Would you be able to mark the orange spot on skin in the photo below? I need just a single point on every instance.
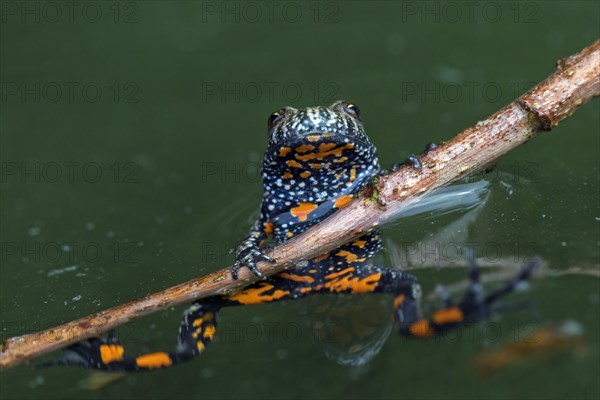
(284, 151)
(354, 284)
(305, 174)
(342, 201)
(313, 138)
(256, 295)
(303, 210)
(312, 271)
(287, 175)
(111, 352)
(293, 164)
(339, 273)
(289, 234)
(153, 360)
(352, 174)
(304, 148)
(305, 290)
(297, 278)
(340, 160)
(315, 165)
(421, 329)
(350, 257)
(320, 258)
(398, 300)
(209, 332)
(200, 346)
(322, 154)
(326, 146)
(450, 315)
(359, 243)
(268, 227)
(327, 134)
(198, 322)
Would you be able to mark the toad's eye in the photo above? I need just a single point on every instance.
(275, 118)
(352, 109)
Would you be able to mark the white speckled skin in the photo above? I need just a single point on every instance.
(314, 156)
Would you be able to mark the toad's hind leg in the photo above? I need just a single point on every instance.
(473, 307)
(195, 333)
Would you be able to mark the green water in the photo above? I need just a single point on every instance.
(131, 133)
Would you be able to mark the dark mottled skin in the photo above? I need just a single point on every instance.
(316, 160)
(315, 156)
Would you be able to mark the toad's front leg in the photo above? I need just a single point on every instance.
(248, 253)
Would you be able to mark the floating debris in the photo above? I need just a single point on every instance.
(35, 231)
(62, 270)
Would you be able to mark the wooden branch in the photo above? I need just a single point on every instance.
(575, 81)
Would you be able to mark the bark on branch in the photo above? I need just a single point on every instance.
(574, 82)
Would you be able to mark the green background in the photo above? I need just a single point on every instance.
(157, 147)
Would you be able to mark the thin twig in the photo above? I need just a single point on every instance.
(575, 81)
